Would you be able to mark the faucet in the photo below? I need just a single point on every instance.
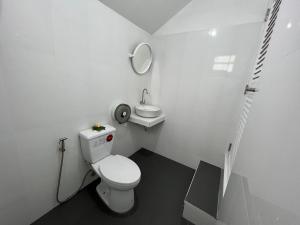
(145, 90)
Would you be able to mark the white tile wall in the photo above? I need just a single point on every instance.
(201, 104)
(269, 152)
(62, 64)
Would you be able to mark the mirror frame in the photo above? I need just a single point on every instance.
(131, 56)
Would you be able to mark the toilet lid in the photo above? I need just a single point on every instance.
(119, 169)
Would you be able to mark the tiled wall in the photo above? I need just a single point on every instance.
(201, 82)
(62, 65)
(268, 157)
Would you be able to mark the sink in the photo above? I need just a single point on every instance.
(148, 111)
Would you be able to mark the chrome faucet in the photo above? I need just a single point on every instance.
(145, 90)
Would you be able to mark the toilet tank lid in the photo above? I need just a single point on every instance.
(91, 134)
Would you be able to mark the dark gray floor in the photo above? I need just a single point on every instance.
(159, 198)
(204, 191)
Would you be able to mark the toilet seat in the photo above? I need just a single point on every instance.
(119, 172)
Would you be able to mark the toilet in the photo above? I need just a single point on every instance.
(119, 175)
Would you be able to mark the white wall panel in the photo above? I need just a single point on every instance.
(62, 64)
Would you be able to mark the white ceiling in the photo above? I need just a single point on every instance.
(207, 14)
(149, 15)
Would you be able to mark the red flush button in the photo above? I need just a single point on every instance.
(109, 138)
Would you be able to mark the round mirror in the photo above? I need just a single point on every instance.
(141, 58)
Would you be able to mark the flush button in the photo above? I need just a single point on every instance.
(109, 138)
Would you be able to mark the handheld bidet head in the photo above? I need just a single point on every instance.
(62, 144)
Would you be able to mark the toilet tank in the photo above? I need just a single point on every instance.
(96, 145)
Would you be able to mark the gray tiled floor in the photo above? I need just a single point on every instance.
(159, 198)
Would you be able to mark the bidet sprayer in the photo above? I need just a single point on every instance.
(62, 144)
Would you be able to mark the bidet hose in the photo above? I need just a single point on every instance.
(60, 175)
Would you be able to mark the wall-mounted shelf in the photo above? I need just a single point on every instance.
(146, 122)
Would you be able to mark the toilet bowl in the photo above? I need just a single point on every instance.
(119, 174)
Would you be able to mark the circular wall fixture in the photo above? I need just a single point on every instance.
(141, 58)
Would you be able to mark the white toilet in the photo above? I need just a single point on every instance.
(119, 175)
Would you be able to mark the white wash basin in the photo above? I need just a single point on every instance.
(148, 111)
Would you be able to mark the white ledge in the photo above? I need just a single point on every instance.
(146, 122)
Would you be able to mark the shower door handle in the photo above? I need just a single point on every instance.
(250, 89)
